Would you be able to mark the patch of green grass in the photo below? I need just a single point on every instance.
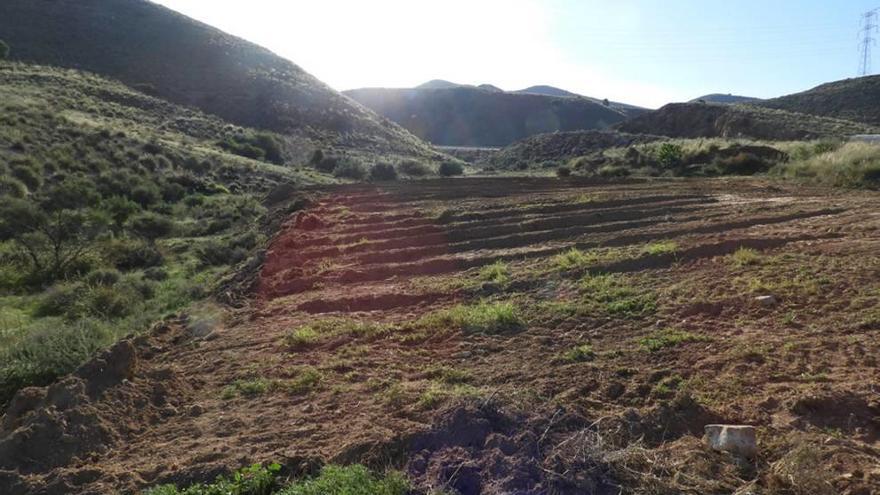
(350, 480)
(438, 393)
(497, 273)
(322, 329)
(744, 257)
(579, 353)
(332, 480)
(253, 480)
(615, 294)
(663, 339)
(660, 247)
(448, 375)
(483, 317)
(307, 379)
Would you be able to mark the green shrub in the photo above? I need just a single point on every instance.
(383, 171)
(450, 168)
(4, 50)
(70, 194)
(102, 276)
(670, 155)
(414, 168)
(851, 165)
(326, 164)
(132, 254)
(350, 168)
(120, 209)
(61, 300)
(12, 187)
(146, 194)
(217, 253)
(151, 226)
(28, 176)
(563, 172)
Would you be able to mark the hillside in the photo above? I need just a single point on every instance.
(470, 116)
(724, 98)
(559, 147)
(693, 120)
(184, 61)
(547, 91)
(116, 208)
(851, 99)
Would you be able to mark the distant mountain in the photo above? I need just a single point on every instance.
(168, 55)
(471, 116)
(490, 87)
(851, 99)
(725, 99)
(547, 91)
(695, 120)
(439, 84)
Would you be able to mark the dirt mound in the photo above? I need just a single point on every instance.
(841, 411)
(86, 415)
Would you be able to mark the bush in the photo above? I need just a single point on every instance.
(102, 276)
(253, 480)
(145, 194)
(60, 300)
(350, 168)
(151, 226)
(414, 168)
(563, 172)
(71, 193)
(450, 168)
(326, 164)
(670, 155)
(132, 254)
(383, 171)
(4, 50)
(12, 188)
(120, 209)
(218, 253)
(28, 176)
(741, 164)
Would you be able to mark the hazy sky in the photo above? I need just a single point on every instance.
(646, 52)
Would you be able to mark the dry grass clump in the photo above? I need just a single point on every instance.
(850, 165)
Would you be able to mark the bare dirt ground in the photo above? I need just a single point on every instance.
(621, 357)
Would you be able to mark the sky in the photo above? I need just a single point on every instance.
(643, 52)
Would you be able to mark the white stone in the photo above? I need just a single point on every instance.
(738, 440)
(767, 300)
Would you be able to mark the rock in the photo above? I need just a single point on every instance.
(767, 301)
(739, 440)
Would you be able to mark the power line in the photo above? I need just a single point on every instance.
(867, 40)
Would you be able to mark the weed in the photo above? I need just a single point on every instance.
(660, 247)
(301, 337)
(497, 273)
(449, 376)
(573, 259)
(249, 388)
(745, 256)
(662, 339)
(616, 296)
(580, 353)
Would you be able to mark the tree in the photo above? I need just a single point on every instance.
(4, 50)
(606, 102)
(52, 243)
(120, 209)
(448, 169)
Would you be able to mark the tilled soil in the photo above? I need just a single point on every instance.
(509, 412)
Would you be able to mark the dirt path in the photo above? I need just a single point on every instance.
(503, 413)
